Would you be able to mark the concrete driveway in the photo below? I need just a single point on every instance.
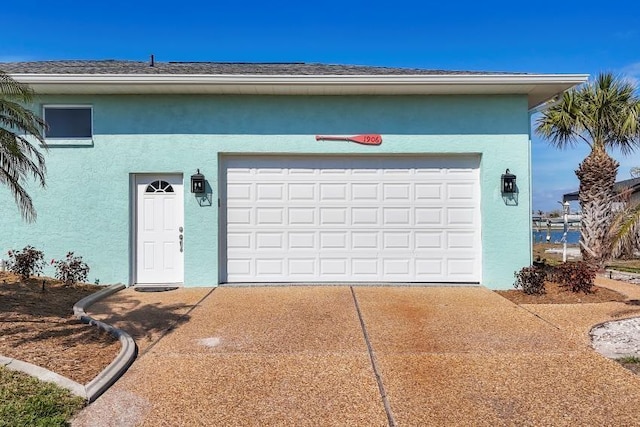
(340, 355)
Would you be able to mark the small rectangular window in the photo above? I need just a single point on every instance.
(68, 122)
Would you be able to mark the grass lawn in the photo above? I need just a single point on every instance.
(539, 254)
(626, 265)
(26, 401)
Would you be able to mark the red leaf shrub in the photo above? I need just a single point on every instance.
(530, 280)
(577, 276)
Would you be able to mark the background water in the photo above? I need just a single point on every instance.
(573, 236)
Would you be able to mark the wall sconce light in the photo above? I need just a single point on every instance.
(508, 181)
(197, 182)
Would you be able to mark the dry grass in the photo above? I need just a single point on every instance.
(38, 327)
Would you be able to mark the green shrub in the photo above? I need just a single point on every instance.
(530, 280)
(71, 270)
(26, 263)
(577, 276)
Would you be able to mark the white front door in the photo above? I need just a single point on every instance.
(159, 229)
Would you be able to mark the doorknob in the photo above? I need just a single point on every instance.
(181, 237)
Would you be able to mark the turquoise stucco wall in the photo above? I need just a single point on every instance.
(86, 205)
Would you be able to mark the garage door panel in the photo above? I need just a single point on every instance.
(364, 240)
(302, 192)
(460, 267)
(270, 192)
(333, 267)
(365, 192)
(397, 240)
(396, 216)
(269, 216)
(461, 191)
(333, 240)
(302, 216)
(333, 216)
(365, 216)
(356, 219)
(269, 241)
(432, 268)
(461, 239)
(365, 267)
(239, 241)
(428, 239)
(302, 240)
(333, 192)
(239, 192)
(429, 216)
(428, 192)
(269, 266)
(239, 216)
(397, 192)
(303, 267)
(461, 216)
(397, 270)
(239, 267)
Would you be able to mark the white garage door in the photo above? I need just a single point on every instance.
(352, 219)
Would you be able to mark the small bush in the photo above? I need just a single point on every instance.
(577, 276)
(71, 270)
(530, 280)
(26, 263)
(547, 268)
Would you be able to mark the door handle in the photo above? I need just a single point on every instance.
(181, 237)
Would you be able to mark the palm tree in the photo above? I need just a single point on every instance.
(604, 114)
(20, 128)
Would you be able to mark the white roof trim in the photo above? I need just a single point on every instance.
(539, 87)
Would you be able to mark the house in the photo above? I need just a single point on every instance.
(207, 173)
(632, 185)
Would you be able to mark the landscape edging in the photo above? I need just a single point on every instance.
(93, 389)
(128, 350)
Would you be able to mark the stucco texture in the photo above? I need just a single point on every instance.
(87, 204)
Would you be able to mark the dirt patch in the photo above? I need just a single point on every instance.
(633, 367)
(38, 327)
(556, 294)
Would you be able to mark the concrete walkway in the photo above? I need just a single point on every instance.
(356, 356)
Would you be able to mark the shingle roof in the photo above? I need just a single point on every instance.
(633, 184)
(213, 68)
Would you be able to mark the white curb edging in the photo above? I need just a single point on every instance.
(93, 389)
(128, 351)
(44, 375)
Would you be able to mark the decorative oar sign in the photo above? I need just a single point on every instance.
(367, 139)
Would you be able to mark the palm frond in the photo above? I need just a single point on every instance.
(12, 89)
(625, 231)
(11, 179)
(20, 129)
(562, 123)
(15, 116)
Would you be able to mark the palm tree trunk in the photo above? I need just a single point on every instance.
(597, 175)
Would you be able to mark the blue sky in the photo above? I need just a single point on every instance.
(537, 37)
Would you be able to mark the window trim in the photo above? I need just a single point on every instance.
(68, 141)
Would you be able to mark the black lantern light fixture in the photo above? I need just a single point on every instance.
(508, 181)
(197, 182)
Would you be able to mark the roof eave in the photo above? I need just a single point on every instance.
(538, 87)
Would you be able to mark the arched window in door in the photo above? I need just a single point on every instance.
(159, 187)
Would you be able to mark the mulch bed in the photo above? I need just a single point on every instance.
(38, 327)
(556, 294)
